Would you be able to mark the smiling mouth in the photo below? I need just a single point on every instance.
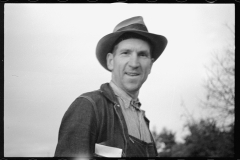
(132, 74)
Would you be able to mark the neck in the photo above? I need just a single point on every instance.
(133, 95)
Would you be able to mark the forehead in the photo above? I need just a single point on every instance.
(134, 43)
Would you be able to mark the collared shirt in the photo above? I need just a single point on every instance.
(134, 116)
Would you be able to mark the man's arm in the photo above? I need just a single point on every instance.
(77, 131)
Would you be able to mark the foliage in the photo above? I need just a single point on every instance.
(164, 142)
(205, 140)
(220, 85)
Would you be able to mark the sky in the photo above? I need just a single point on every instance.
(49, 60)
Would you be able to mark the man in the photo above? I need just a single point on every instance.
(110, 118)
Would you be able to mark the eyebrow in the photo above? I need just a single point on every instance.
(125, 50)
(142, 51)
(145, 52)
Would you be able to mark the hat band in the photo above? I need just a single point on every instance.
(136, 26)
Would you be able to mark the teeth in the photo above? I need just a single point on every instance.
(132, 74)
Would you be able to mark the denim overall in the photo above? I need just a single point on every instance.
(138, 148)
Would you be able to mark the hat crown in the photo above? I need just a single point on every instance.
(134, 23)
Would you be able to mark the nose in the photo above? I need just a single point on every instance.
(134, 61)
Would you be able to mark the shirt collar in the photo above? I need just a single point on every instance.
(123, 95)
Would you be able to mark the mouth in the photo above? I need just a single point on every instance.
(133, 74)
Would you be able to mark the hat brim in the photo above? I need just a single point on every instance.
(105, 45)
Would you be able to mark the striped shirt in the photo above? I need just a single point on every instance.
(134, 116)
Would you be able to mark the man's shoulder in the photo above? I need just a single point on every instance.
(96, 95)
(85, 100)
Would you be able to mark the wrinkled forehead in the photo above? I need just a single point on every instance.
(133, 44)
(130, 35)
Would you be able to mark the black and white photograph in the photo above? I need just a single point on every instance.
(119, 80)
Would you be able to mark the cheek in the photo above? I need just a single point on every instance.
(147, 70)
(119, 66)
(118, 70)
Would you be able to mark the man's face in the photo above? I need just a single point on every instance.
(130, 64)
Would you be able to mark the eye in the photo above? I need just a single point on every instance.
(125, 53)
(143, 55)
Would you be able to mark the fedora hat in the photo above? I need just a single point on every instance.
(134, 25)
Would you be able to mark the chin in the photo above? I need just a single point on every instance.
(132, 87)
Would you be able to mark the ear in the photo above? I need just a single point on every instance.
(110, 61)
